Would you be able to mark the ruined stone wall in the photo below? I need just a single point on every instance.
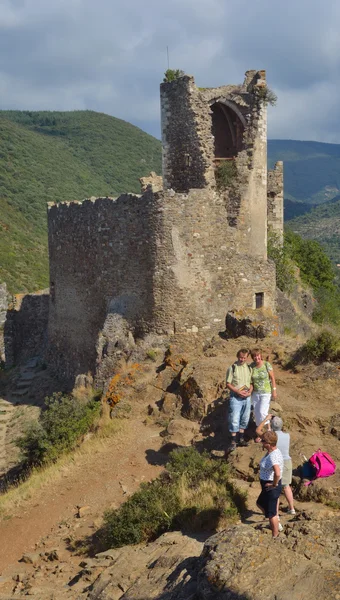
(200, 276)
(275, 200)
(4, 300)
(163, 262)
(187, 142)
(25, 328)
(102, 260)
(189, 154)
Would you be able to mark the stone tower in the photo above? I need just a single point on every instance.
(202, 130)
(177, 260)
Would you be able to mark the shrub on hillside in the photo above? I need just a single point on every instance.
(192, 494)
(279, 253)
(325, 346)
(59, 429)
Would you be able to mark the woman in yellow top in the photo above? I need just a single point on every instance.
(264, 387)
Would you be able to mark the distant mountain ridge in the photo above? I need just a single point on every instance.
(311, 169)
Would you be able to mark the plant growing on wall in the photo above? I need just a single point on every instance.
(225, 174)
(267, 95)
(172, 74)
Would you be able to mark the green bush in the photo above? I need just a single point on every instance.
(225, 174)
(192, 494)
(325, 346)
(267, 95)
(279, 253)
(61, 425)
(172, 74)
(316, 268)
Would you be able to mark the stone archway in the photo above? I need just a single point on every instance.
(228, 125)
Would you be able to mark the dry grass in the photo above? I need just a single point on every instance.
(42, 477)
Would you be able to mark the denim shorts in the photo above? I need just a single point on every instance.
(238, 413)
(268, 498)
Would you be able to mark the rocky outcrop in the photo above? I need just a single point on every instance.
(252, 323)
(164, 569)
(242, 563)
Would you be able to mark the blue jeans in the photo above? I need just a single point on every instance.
(238, 413)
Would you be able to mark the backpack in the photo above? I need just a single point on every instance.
(320, 464)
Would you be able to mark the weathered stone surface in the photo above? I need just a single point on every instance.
(83, 380)
(114, 344)
(275, 200)
(171, 404)
(252, 323)
(282, 569)
(201, 384)
(153, 181)
(335, 426)
(31, 558)
(276, 407)
(295, 311)
(25, 328)
(4, 300)
(145, 572)
(182, 432)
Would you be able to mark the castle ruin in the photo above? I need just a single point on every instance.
(175, 260)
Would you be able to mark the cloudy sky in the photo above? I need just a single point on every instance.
(110, 56)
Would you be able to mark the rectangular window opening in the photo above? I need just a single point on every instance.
(259, 300)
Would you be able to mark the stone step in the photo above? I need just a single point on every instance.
(29, 376)
(20, 392)
(32, 363)
(22, 384)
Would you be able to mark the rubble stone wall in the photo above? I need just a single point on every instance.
(102, 259)
(163, 262)
(25, 328)
(189, 160)
(200, 272)
(275, 200)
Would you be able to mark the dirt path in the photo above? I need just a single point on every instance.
(97, 481)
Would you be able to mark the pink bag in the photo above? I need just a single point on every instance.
(323, 465)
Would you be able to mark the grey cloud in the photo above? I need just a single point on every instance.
(110, 56)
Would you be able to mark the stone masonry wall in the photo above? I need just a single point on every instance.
(275, 200)
(188, 150)
(4, 300)
(163, 262)
(102, 259)
(25, 328)
(200, 275)
(186, 135)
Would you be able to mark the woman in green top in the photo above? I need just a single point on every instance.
(263, 381)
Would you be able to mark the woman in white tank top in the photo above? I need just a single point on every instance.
(283, 442)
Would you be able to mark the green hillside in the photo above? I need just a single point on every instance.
(56, 156)
(321, 224)
(311, 170)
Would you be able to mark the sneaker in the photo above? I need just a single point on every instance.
(291, 511)
(232, 446)
(242, 442)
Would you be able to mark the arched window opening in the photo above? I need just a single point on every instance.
(227, 129)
